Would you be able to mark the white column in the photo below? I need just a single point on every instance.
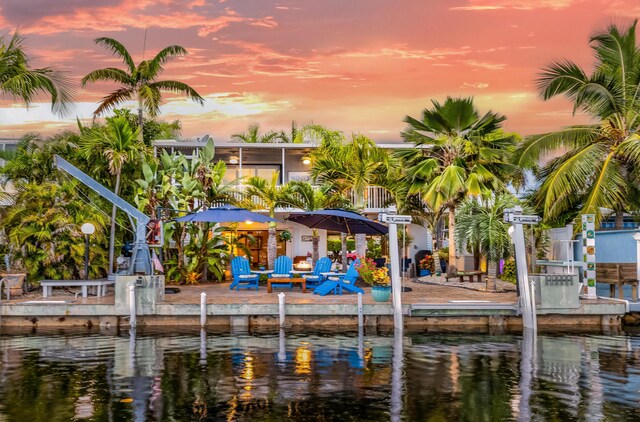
(283, 173)
(396, 282)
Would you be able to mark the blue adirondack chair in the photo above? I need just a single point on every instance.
(242, 277)
(282, 267)
(335, 284)
(314, 279)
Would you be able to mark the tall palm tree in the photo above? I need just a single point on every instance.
(263, 194)
(253, 135)
(118, 144)
(305, 196)
(457, 153)
(138, 82)
(599, 165)
(350, 167)
(19, 80)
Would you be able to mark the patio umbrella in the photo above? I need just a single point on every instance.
(225, 214)
(338, 220)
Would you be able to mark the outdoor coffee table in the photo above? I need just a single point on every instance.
(301, 281)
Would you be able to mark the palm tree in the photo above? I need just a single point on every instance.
(308, 198)
(19, 80)
(118, 144)
(457, 153)
(482, 227)
(350, 167)
(295, 135)
(263, 194)
(253, 135)
(139, 82)
(600, 163)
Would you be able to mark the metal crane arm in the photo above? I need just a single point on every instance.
(141, 258)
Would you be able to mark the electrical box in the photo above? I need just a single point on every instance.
(557, 291)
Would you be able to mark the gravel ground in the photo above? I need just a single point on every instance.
(502, 286)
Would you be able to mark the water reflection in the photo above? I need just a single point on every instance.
(351, 376)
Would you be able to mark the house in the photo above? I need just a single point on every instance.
(292, 162)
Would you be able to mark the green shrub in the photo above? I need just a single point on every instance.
(509, 271)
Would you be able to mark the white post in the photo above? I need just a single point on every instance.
(281, 308)
(132, 306)
(396, 287)
(282, 346)
(523, 276)
(203, 309)
(360, 315)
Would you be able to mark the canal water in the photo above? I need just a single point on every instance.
(276, 376)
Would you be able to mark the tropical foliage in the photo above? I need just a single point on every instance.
(597, 166)
(457, 153)
(43, 232)
(139, 82)
(19, 80)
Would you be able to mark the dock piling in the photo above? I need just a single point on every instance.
(203, 309)
(281, 308)
(132, 305)
(360, 314)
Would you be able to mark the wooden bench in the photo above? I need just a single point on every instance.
(462, 274)
(302, 281)
(618, 275)
(100, 286)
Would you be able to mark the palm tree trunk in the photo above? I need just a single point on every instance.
(112, 231)
(316, 246)
(272, 246)
(619, 220)
(492, 275)
(361, 245)
(452, 269)
(140, 121)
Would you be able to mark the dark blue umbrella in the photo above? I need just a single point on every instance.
(225, 214)
(338, 220)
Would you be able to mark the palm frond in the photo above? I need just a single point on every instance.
(117, 49)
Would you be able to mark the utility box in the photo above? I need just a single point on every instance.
(149, 291)
(557, 291)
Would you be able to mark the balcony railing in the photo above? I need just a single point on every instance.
(376, 199)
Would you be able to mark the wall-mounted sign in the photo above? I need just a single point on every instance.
(307, 238)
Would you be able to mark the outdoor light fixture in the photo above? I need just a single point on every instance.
(248, 222)
(233, 159)
(306, 161)
(87, 229)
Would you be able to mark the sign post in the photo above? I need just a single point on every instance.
(527, 299)
(391, 218)
(589, 254)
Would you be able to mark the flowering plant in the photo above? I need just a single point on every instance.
(427, 263)
(372, 275)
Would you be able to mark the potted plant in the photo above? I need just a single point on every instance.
(377, 278)
(427, 266)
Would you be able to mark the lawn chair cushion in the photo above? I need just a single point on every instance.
(280, 275)
(246, 275)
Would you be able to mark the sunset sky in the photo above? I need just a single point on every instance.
(358, 66)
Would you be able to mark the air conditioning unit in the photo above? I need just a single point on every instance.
(557, 291)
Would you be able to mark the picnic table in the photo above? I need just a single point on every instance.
(470, 274)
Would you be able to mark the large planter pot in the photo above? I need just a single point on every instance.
(381, 293)
(424, 272)
(443, 265)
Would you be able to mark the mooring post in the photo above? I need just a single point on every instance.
(203, 309)
(281, 308)
(132, 306)
(360, 315)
